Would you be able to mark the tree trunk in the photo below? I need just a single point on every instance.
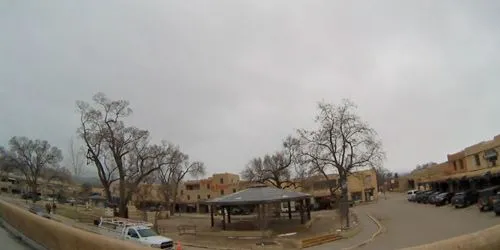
(107, 191)
(344, 207)
(122, 207)
(34, 192)
(174, 202)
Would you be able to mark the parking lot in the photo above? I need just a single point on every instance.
(409, 224)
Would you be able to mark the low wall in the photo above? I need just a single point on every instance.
(57, 236)
(486, 239)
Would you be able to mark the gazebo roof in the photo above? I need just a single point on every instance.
(258, 195)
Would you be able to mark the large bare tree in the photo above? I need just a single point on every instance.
(92, 132)
(32, 157)
(120, 152)
(279, 169)
(341, 144)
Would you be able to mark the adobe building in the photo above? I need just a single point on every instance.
(192, 194)
(361, 186)
(475, 167)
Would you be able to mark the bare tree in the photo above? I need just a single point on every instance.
(108, 140)
(77, 158)
(119, 152)
(383, 174)
(143, 160)
(277, 169)
(172, 175)
(342, 143)
(32, 157)
(92, 132)
(7, 166)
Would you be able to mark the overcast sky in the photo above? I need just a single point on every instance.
(228, 80)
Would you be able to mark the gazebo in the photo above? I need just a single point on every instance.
(260, 196)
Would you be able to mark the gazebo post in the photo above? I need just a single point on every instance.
(289, 210)
(212, 214)
(302, 212)
(228, 215)
(223, 219)
(308, 208)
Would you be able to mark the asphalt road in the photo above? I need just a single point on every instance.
(409, 224)
(8, 242)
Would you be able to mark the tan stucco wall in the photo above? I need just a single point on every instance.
(479, 150)
(357, 182)
(57, 236)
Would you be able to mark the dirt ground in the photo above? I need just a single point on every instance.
(322, 222)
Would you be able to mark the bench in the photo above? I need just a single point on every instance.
(186, 229)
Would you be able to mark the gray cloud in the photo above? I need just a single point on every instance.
(227, 80)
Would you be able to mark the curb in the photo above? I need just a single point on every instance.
(377, 233)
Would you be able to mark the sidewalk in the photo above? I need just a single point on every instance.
(368, 228)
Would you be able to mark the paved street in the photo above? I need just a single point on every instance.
(368, 229)
(410, 224)
(10, 243)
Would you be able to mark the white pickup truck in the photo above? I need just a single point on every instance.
(136, 231)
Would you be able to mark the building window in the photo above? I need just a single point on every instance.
(222, 192)
(461, 164)
(478, 161)
(188, 197)
(455, 165)
(198, 197)
(182, 192)
(208, 196)
(234, 190)
(208, 186)
(221, 180)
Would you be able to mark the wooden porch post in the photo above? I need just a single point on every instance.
(212, 214)
(302, 219)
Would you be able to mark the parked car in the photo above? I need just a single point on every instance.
(425, 198)
(485, 196)
(432, 197)
(40, 211)
(464, 199)
(496, 203)
(421, 195)
(443, 199)
(411, 195)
